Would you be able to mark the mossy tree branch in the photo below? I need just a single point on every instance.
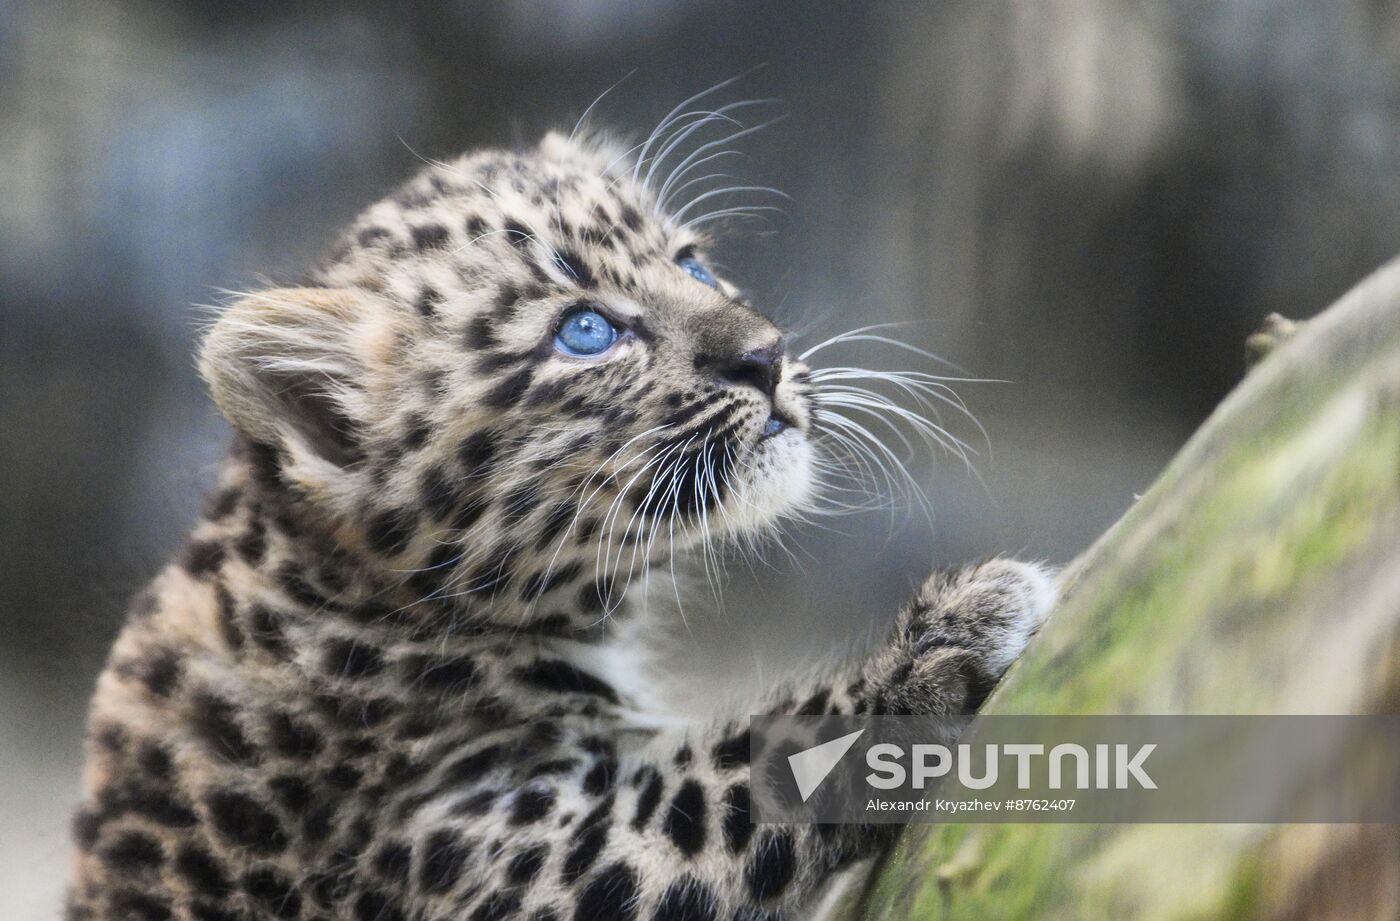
(1260, 574)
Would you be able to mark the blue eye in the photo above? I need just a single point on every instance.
(696, 270)
(585, 332)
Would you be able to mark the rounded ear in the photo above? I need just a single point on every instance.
(282, 366)
(587, 145)
(556, 146)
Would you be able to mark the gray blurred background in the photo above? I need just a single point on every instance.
(1095, 201)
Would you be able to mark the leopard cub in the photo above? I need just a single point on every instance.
(382, 683)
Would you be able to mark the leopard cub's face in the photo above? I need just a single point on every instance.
(517, 373)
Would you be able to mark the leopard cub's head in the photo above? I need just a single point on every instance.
(520, 378)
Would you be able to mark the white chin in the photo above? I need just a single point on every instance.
(774, 480)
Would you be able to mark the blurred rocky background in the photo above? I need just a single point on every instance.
(1094, 201)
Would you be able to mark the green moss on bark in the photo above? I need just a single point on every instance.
(1261, 574)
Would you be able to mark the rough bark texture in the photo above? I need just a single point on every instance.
(1260, 574)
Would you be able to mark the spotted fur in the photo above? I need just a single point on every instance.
(373, 688)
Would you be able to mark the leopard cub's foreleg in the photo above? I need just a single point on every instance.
(660, 827)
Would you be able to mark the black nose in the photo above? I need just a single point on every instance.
(761, 368)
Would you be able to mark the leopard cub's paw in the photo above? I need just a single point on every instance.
(992, 610)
